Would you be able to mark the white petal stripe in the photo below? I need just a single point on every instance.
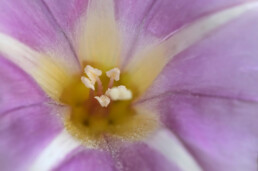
(171, 148)
(55, 152)
(151, 59)
(51, 75)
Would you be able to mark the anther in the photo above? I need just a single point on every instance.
(103, 100)
(119, 93)
(88, 83)
(113, 93)
(92, 73)
(113, 74)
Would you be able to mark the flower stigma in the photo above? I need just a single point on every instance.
(101, 104)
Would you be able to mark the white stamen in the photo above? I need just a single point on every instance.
(92, 73)
(113, 73)
(115, 93)
(119, 93)
(87, 83)
(103, 100)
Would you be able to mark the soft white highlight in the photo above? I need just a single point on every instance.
(55, 152)
(154, 54)
(49, 73)
(172, 149)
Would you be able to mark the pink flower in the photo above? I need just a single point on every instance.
(128, 85)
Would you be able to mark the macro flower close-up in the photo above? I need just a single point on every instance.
(128, 85)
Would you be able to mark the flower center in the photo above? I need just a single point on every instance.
(113, 93)
(101, 104)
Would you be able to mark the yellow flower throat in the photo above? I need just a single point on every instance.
(101, 105)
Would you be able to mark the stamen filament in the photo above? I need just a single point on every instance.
(100, 87)
(111, 82)
(91, 94)
(112, 93)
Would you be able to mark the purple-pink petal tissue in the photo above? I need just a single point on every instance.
(206, 95)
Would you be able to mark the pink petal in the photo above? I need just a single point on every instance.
(33, 24)
(208, 96)
(223, 63)
(141, 157)
(24, 132)
(167, 16)
(130, 15)
(220, 133)
(67, 14)
(90, 160)
(132, 12)
(145, 21)
(16, 88)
